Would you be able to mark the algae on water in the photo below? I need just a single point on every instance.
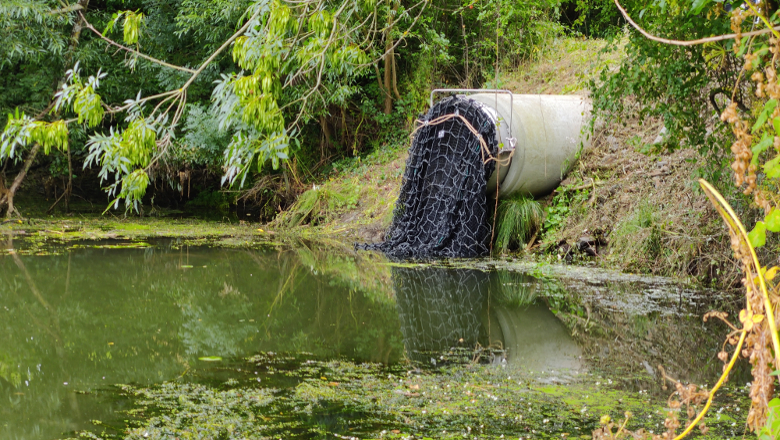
(298, 396)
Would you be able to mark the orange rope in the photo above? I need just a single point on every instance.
(484, 148)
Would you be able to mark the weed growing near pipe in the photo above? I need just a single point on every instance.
(519, 219)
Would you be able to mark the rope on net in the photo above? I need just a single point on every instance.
(441, 210)
(485, 150)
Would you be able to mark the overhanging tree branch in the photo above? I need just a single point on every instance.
(65, 9)
(133, 51)
(8, 197)
(691, 42)
(227, 43)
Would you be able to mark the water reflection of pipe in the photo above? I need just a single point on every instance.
(535, 339)
(444, 309)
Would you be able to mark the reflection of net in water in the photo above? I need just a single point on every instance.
(441, 209)
(456, 315)
(440, 310)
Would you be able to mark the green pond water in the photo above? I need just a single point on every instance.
(172, 341)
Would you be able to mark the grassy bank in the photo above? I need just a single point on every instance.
(356, 201)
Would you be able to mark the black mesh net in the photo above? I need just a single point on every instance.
(442, 208)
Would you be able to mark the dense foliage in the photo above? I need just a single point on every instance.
(155, 93)
(730, 49)
(689, 84)
(668, 82)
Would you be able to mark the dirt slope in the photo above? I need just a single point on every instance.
(646, 212)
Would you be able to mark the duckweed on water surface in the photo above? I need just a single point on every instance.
(275, 396)
(48, 236)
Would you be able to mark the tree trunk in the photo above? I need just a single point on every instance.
(465, 52)
(389, 63)
(328, 138)
(9, 195)
(380, 81)
(69, 189)
(395, 79)
(388, 75)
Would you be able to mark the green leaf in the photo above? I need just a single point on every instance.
(757, 236)
(698, 5)
(762, 146)
(769, 107)
(210, 358)
(111, 23)
(772, 220)
(132, 26)
(772, 168)
(776, 125)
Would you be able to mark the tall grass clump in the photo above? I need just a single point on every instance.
(320, 203)
(518, 219)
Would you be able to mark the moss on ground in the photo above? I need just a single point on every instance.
(57, 234)
(355, 203)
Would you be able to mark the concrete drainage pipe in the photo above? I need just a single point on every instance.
(544, 131)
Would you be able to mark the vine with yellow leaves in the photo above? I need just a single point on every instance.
(756, 169)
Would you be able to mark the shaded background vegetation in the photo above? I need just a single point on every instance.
(454, 44)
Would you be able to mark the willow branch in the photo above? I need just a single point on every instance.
(691, 42)
(67, 8)
(113, 110)
(403, 36)
(133, 51)
(221, 48)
